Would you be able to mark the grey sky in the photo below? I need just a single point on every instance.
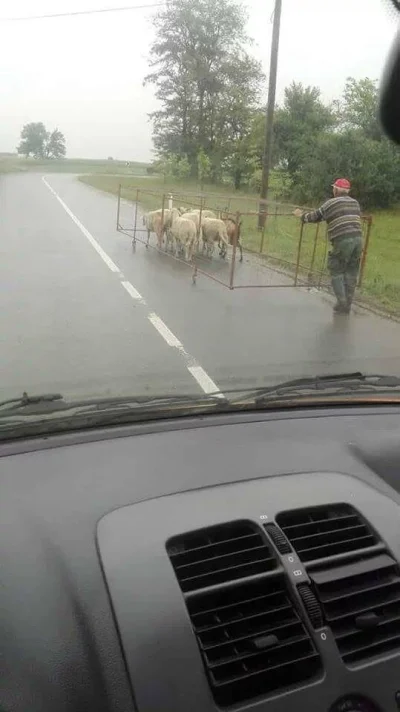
(84, 74)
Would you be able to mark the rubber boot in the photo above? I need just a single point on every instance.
(350, 283)
(339, 289)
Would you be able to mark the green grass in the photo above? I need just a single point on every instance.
(13, 164)
(381, 283)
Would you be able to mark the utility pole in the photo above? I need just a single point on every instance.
(273, 69)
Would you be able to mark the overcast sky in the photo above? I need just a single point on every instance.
(84, 74)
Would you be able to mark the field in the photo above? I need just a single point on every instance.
(381, 285)
(13, 164)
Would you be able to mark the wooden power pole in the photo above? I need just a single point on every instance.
(273, 70)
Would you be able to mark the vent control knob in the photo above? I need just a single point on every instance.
(311, 605)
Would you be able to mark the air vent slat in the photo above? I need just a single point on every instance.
(229, 612)
(227, 546)
(285, 629)
(281, 667)
(251, 638)
(240, 653)
(218, 563)
(333, 548)
(219, 554)
(363, 610)
(363, 607)
(320, 532)
(231, 573)
(248, 615)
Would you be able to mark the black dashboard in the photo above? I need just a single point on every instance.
(232, 562)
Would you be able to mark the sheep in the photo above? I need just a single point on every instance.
(195, 216)
(231, 230)
(204, 213)
(183, 231)
(152, 221)
(214, 230)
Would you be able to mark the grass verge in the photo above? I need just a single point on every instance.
(14, 164)
(381, 285)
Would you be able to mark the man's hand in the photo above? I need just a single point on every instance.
(297, 213)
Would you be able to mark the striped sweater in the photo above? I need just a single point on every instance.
(342, 215)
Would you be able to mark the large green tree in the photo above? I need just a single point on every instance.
(298, 122)
(206, 82)
(358, 108)
(36, 141)
(55, 145)
(33, 138)
(372, 166)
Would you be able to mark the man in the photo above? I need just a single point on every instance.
(343, 217)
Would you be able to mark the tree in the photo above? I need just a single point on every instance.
(302, 117)
(359, 107)
(33, 138)
(298, 122)
(55, 145)
(206, 82)
(373, 166)
(203, 167)
(38, 142)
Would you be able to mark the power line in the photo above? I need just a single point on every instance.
(83, 12)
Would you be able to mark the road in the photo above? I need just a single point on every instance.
(83, 315)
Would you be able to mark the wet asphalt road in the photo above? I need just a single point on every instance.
(68, 323)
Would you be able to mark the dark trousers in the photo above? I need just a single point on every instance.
(344, 263)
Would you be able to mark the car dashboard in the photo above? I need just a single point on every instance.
(232, 562)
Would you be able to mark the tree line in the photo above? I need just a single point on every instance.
(211, 121)
(38, 142)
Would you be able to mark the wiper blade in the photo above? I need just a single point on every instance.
(317, 386)
(25, 400)
(54, 404)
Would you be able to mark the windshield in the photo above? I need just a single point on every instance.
(196, 198)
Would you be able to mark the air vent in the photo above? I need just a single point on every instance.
(361, 604)
(319, 532)
(252, 640)
(219, 554)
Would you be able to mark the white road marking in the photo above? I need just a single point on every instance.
(199, 374)
(162, 329)
(133, 292)
(108, 261)
(204, 380)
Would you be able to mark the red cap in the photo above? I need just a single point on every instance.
(342, 183)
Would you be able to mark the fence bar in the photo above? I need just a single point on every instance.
(234, 247)
(270, 286)
(135, 221)
(118, 204)
(365, 251)
(263, 233)
(323, 264)
(299, 253)
(311, 270)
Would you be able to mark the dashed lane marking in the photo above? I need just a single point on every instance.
(110, 264)
(197, 372)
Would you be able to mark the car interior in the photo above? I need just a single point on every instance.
(231, 561)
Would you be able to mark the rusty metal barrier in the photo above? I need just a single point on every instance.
(283, 253)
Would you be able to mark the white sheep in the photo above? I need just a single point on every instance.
(183, 232)
(152, 222)
(214, 230)
(205, 213)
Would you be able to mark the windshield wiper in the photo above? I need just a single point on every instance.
(344, 384)
(48, 404)
(47, 416)
(25, 400)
